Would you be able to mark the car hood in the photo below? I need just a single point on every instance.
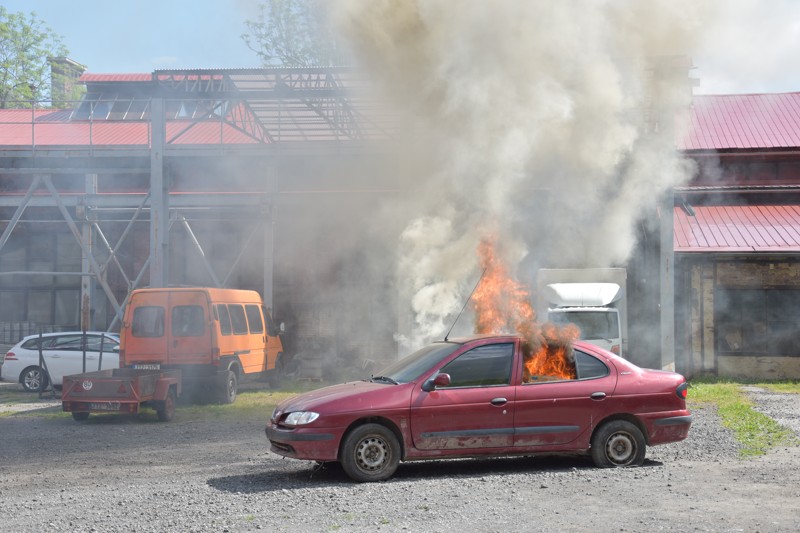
(351, 396)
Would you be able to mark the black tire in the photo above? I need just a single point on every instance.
(370, 453)
(230, 388)
(80, 416)
(166, 410)
(618, 443)
(32, 377)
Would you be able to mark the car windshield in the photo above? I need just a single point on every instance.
(413, 366)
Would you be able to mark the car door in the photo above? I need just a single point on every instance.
(476, 410)
(550, 413)
(65, 356)
(108, 358)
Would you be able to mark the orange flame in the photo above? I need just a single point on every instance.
(502, 305)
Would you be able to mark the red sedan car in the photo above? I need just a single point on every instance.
(481, 396)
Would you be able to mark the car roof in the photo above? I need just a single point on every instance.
(482, 336)
(56, 333)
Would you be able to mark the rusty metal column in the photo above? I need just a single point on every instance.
(159, 198)
(269, 239)
(667, 269)
(87, 282)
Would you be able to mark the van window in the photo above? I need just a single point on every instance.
(188, 321)
(224, 319)
(254, 318)
(272, 329)
(148, 321)
(238, 320)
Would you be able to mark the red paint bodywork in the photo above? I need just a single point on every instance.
(544, 417)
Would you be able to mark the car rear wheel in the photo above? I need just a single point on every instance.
(370, 453)
(166, 410)
(618, 443)
(32, 378)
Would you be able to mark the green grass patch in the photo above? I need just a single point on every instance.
(248, 404)
(755, 431)
(787, 387)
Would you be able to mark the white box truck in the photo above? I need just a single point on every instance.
(594, 299)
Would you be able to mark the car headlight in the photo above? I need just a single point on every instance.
(300, 418)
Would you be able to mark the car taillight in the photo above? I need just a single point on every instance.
(11, 356)
(683, 390)
(615, 349)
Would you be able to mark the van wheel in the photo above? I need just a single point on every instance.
(166, 410)
(231, 386)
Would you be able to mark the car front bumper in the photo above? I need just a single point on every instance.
(316, 444)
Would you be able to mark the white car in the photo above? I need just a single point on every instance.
(63, 355)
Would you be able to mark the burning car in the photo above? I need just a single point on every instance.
(486, 395)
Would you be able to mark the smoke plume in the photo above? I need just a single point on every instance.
(547, 125)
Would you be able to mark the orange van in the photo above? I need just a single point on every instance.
(214, 336)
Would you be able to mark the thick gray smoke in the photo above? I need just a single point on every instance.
(550, 125)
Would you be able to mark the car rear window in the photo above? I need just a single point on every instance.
(148, 321)
(188, 321)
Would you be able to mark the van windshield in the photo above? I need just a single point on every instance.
(593, 324)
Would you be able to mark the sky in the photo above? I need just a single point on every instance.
(750, 47)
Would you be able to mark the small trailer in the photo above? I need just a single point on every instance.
(121, 390)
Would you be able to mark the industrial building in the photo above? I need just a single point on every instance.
(223, 178)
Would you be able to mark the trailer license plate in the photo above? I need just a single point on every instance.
(104, 406)
(148, 366)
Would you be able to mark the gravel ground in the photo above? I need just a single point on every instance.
(116, 473)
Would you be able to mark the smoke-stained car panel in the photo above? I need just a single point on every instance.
(485, 396)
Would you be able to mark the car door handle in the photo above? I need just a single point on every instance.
(499, 401)
(598, 395)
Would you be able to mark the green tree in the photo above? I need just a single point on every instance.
(295, 33)
(25, 46)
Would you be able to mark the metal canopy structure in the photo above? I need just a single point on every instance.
(266, 105)
(130, 126)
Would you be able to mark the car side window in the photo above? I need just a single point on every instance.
(589, 367)
(484, 366)
(254, 318)
(68, 342)
(224, 319)
(238, 320)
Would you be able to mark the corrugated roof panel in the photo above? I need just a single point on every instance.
(738, 228)
(88, 77)
(743, 121)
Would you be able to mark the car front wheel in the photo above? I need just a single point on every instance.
(618, 443)
(32, 378)
(370, 453)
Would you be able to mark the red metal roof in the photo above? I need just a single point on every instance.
(738, 228)
(89, 77)
(743, 121)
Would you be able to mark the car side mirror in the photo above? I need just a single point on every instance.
(441, 380)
